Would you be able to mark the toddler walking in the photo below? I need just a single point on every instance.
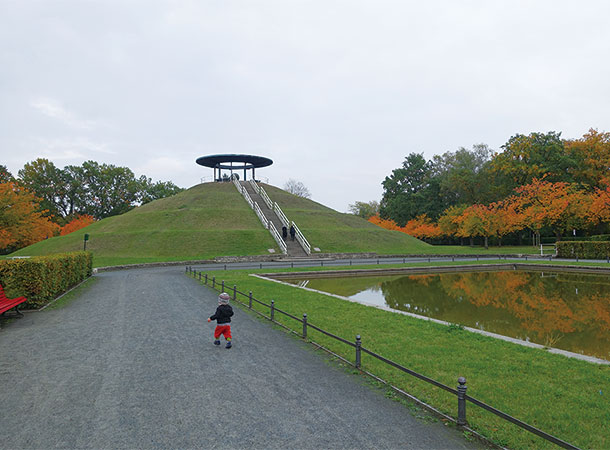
(222, 316)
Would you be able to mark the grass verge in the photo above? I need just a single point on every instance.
(67, 298)
(520, 381)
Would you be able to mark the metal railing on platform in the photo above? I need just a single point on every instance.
(459, 392)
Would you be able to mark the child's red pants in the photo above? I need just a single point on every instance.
(225, 330)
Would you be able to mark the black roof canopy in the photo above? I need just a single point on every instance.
(233, 162)
(227, 161)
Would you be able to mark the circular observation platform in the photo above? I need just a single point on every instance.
(233, 162)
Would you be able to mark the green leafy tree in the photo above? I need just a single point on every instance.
(5, 175)
(45, 181)
(364, 209)
(537, 155)
(464, 176)
(410, 191)
(149, 191)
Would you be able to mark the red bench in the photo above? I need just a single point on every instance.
(10, 303)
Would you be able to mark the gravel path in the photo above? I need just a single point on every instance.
(129, 363)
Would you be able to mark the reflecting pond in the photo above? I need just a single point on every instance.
(563, 310)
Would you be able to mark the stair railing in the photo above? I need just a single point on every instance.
(278, 238)
(242, 190)
(301, 239)
(254, 186)
(266, 223)
(261, 216)
(280, 215)
(265, 197)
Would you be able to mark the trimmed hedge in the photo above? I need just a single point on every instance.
(583, 249)
(42, 278)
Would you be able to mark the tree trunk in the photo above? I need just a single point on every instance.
(471, 241)
(486, 243)
(557, 235)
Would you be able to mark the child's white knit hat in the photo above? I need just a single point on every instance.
(223, 299)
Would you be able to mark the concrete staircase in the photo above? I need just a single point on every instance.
(294, 249)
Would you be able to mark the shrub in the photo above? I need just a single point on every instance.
(42, 278)
(584, 249)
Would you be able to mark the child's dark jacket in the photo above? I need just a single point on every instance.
(223, 314)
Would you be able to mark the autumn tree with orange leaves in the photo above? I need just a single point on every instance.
(560, 206)
(76, 224)
(21, 221)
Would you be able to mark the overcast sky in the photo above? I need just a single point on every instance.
(337, 93)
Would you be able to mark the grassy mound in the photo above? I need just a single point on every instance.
(212, 219)
(332, 231)
(205, 221)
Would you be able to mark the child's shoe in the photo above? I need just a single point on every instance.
(217, 342)
(229, 345)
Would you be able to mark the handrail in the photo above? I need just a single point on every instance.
(237, 184)
(261, 216)
(301, 239)
(277, 237)
(248, 198)
(263, 194)
(254, 185)
(460, 392)
(280, 214)
(274, 206)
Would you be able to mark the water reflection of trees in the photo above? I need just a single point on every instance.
(545, 308)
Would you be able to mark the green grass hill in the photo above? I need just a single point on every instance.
(213, 219)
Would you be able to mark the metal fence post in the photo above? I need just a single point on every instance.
(199, 276)
(350, 262)
(292, 265)
(304, 326)
(461, 389)
(250, 300)
(234, 292)
(206, 278)
(186, 269)
(225, 267)
(213, 282)
(272, 310)
(260, 266)
(358, 350)
(223, 286)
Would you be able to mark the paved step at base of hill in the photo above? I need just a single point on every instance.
(293, 247)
